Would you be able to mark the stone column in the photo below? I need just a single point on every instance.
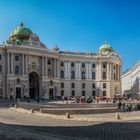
(26, 64)
(76, 72)
(54, 66)
(79, 72)
(8, 63)
(66, 70)
(46, 68)
(87, 71)
(58, 68)
(90, 71)
(100, 70)
(42, 66)
(108, 71)
(12, 64)
(69, 72)
(22, 63)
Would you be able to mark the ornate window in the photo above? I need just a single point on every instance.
(94, 93)
(62, 74)
(83, 85)
(62, 64)
(16, 69)
(62, 85)
(0, 69)
(93, 75)
(93, 65)
(62, 93)
(1, 93)
(104, 92)
(72, 64)
(83, 92)
(73, 93)
(49, 73)
(83, 65)
(104, 75)
(16, 57)
(72, 85)
(72, 75)
(0, 57)
(104, 85)
(49, 62)
(93, 85)
(83, 75)
(104, 65)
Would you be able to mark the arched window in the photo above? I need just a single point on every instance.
(93, 75)
(104, 75)
(16, 69)
(62, 74)
(104, 92)
(83, 75)
(72, 75)
(0, 69)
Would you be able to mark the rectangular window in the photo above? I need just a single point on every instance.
(93, 85)
(83, 85)
(93, 65)
(1, 93)
(83, 92)
(62, 85)
(62, 93)
(94, 93)
(49, 62)
(72, 85)
(72, 64)
(104, 65)
(104, 85)
(0, 57)
(72, 93)
(16, 58)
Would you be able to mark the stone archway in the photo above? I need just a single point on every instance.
(34, 85)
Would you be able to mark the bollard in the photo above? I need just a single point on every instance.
(117, 116)
(16, 106)
(67, 115)
(32, 111)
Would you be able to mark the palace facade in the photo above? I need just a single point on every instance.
(29, 69)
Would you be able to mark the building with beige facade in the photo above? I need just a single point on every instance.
(29, 69)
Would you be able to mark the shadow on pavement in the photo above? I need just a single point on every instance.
(102, 131)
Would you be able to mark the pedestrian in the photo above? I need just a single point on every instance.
(119, 105)
(123, 106)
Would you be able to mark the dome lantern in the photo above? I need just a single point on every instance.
(105, 49)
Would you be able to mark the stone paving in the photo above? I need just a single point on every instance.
(23, 126)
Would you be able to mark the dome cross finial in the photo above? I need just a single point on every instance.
(22, 24)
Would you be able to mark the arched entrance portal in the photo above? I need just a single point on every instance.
(34, 85)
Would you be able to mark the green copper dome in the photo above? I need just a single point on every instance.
(20, 34)
(106, 47)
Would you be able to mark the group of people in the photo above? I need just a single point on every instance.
(124, 107)
(127, 107)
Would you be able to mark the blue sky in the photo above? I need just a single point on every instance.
(78, 24)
